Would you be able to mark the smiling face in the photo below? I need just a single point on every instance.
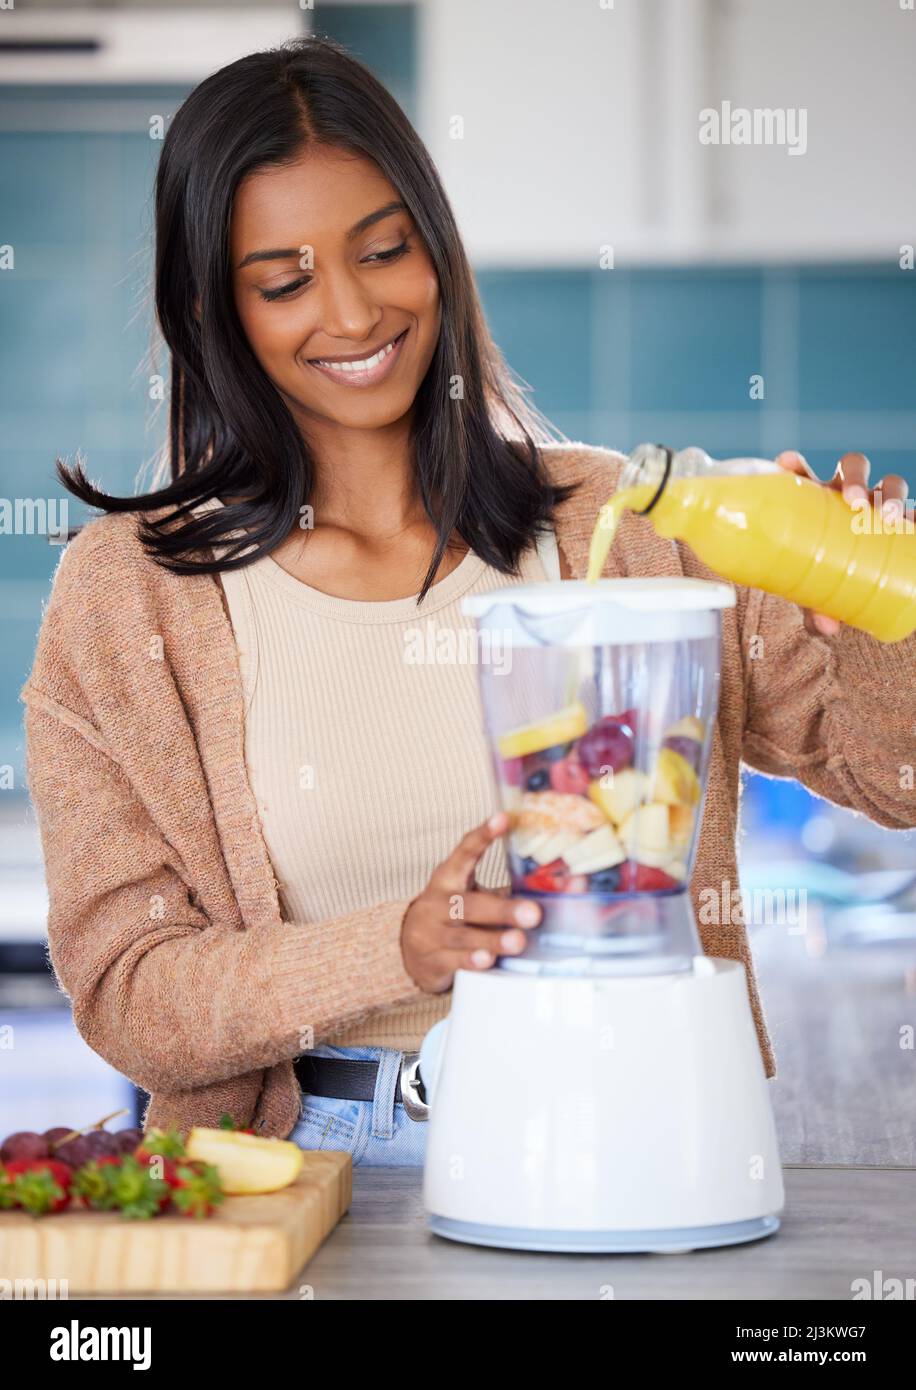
(328, 264)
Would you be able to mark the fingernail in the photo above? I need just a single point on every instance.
(482, 958)
(495, 821)
(528, 915)
(512, 940)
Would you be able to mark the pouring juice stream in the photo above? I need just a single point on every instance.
(758, 525)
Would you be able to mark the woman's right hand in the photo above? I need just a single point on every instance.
(454, 925)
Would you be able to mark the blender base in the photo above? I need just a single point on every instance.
(598, 1114)
(673, 1242)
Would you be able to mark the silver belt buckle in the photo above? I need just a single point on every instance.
(412, 1092)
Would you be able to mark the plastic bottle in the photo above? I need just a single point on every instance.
(757, 524)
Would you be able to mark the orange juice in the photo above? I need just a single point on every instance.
(787, 535)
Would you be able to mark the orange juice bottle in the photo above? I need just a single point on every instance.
(759, 525)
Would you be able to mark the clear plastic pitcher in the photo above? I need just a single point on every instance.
(599, 702)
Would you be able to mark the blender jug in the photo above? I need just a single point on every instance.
(599, 715)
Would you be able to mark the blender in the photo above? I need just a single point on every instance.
(604, 1090)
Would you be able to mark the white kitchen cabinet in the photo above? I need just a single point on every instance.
(564, 128)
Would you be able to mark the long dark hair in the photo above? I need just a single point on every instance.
(477, 462)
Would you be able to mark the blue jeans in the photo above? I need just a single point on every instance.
(376, 1132)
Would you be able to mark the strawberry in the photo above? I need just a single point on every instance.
(7, 1195)
(555, 878)
(642, 878)
(568, 775)
(196, 1189)
(91, 1186)
(159, 1143)
(40, 1184)
(227, 1122)
(133, 1189)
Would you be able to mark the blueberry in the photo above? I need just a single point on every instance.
(605, 880)
(558, 751)
(529, 865)
(538, 780)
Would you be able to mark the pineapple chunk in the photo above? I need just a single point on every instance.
(562, 727)
(598, 850)
(680, 824)
(675, 781)
(627, 789)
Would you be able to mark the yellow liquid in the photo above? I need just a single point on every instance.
(787, 535)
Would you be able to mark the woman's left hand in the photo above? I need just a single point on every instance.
(850, 478)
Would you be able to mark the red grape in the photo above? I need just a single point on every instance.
(608, 744)
(23, 1146)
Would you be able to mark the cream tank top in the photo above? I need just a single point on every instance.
(367, 767)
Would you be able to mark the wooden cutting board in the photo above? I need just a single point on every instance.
(250, 1244)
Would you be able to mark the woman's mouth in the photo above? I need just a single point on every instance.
(366, 372)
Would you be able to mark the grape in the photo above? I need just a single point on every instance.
(689, 748)
(609, 743)
(22, 1146)
(101, 1143)
(76, 1152)
(54, 1136)
(128, 1140)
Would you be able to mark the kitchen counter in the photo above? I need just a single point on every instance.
(839, 1224)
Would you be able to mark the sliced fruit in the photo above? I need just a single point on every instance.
(555, 878)
(246, 1163)
(626, 790)
(557, 811)
(512, 798)
(598, 850)
(569, 776)
(688, 748)
(644, 878)
(677, 869)
(559, 845)
(646, 829)
(675, 781)
(562, 727)
(688, 727)
(511, 769)
(609, 743)
(681, 821)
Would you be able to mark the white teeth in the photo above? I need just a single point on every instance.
(365, 366)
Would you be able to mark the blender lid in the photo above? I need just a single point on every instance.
(656, 594)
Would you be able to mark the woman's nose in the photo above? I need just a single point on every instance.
(345, 311)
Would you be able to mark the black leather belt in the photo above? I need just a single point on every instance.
(343, 1078)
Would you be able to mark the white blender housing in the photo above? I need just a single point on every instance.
(604, 1091)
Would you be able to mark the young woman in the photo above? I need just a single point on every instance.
(256, 815)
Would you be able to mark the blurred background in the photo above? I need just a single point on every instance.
(644, 284)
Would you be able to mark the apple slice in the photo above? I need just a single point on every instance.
(645, 830)
(598, 850)
(247, 1163)
(556, 846)
(625, 791)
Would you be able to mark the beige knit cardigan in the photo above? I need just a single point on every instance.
(164, 924)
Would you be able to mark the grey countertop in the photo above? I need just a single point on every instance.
(839, 1225)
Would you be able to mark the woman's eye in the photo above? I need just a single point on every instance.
(284, 291)
(389, 255)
